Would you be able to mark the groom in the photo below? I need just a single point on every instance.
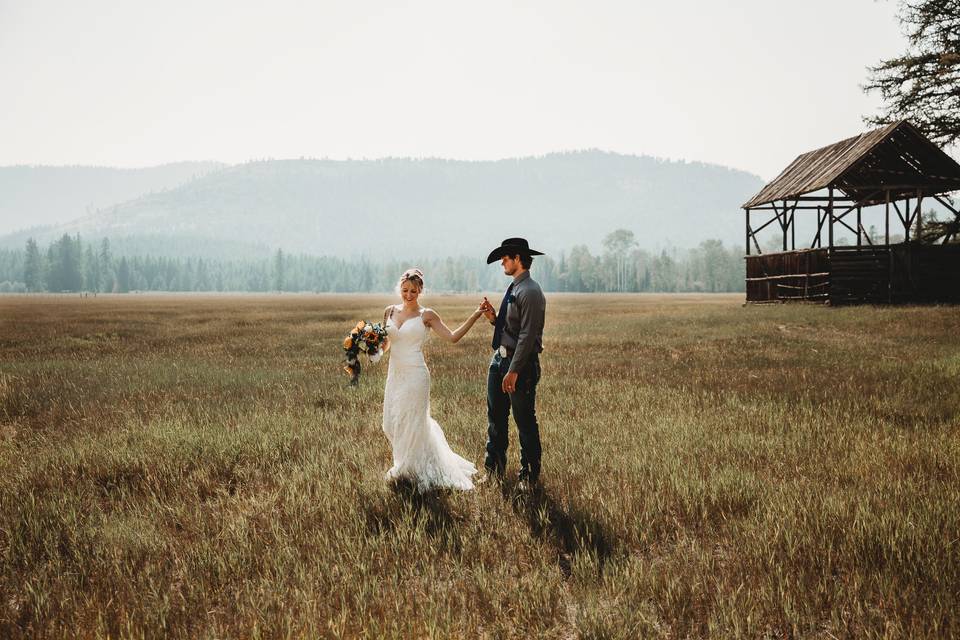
(515, 366)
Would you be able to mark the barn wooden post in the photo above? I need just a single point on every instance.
(748, 230)
(919, 233)
(908, 223)
(818, 239)
(830, 220)
(783, 225)
(859, 229)
(886, 221)
(793, 231)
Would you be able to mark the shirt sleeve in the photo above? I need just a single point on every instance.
(531, 305)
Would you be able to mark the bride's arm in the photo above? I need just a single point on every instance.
(432, 320)
(387, 313)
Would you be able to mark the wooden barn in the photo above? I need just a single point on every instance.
(886, 175)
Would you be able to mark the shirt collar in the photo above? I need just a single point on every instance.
(523, 276)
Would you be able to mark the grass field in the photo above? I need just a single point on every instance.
(196, 466)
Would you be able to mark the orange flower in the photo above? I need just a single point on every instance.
(348, 342)
(348, 370)
(361, 325)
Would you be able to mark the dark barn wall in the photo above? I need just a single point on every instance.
(901, 273)
(790, 275)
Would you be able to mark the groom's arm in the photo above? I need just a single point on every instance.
(531, 304)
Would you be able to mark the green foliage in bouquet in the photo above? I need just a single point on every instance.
(366, 338)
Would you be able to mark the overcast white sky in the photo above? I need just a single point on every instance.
(747, 84)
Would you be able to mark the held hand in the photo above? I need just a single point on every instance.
(509, 384)
(488, 309)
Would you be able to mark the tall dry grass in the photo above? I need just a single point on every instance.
(196, 467)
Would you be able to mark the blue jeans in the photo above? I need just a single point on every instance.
(523, 402)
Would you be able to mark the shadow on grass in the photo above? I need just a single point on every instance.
(429, 509)
(571, 531)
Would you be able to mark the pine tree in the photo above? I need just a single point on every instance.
(33, 267)
(70, 256)
(278, 270)
(923, 85)
(91, 270)
(51, 275)
(63, 265)
(123, 277)
(203, 278)
(666, 273)
(106, 267)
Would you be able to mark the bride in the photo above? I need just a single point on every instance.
(420, 450)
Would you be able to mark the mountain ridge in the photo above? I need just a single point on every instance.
(419, 206)
(47, 195)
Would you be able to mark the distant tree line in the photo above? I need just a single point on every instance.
(72, 265)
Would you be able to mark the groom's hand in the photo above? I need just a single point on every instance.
(488, 311)
(509, 384)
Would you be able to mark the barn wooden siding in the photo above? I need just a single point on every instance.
(899, 273)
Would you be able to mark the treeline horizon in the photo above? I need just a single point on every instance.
(71, 265)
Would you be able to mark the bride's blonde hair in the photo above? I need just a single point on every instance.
(413, 275)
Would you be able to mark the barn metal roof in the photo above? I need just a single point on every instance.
(896, 157)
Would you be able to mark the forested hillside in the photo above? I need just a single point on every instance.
(32, 197)
(402, 207)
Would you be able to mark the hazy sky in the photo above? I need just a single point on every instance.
(747, 84)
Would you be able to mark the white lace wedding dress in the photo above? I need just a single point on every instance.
(420, 450)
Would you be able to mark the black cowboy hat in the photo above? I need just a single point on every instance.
(512, 247)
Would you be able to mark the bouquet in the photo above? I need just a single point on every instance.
(366, 338)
